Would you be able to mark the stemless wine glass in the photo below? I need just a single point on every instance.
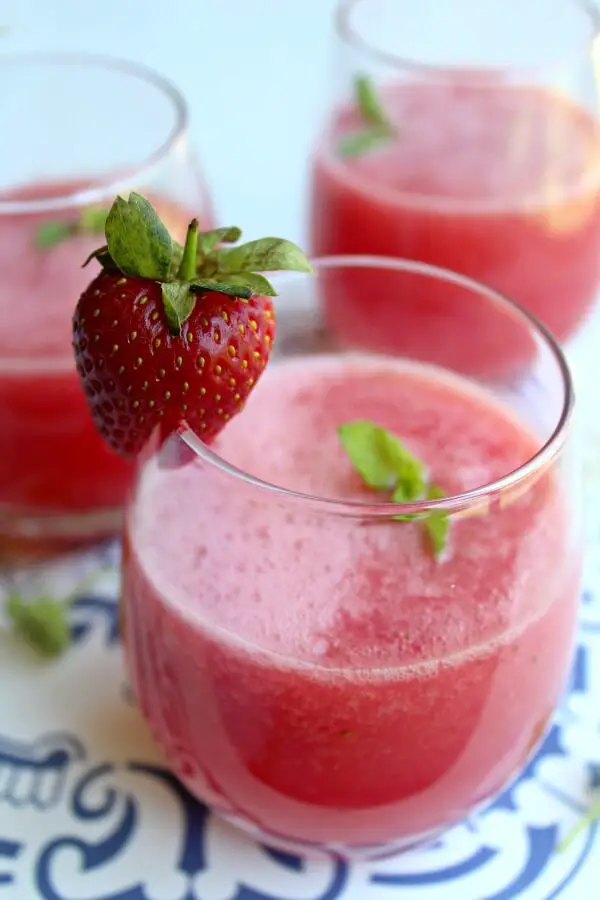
(329, 669)
(464, 135)
(77, 130)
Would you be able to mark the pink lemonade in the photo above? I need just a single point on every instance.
(499, 184)
(52, 461)
(324, 680)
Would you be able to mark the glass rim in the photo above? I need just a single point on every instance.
(466, 501)
(352, 36)
(102, 186)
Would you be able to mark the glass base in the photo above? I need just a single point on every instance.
(351, 852)
(27, 537)
(205, 790)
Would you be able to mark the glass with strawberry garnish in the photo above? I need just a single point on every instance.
(348, 605)
(76, 129)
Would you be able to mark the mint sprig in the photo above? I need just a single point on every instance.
(437, 523)
(387, 466)
(381, 460)
(91, 221)
(589, 818)
(139, 245)
(377, 126)
(369, 103)
(42, 621)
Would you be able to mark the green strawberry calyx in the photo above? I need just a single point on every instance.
(139, 245)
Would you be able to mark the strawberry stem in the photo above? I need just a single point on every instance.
(187, 269)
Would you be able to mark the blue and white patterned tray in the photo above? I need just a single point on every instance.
(88, 811)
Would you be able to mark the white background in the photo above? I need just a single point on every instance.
(254, 73)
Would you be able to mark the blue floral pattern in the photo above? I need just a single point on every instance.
(86, 817)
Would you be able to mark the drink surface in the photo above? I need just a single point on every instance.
(498, 183)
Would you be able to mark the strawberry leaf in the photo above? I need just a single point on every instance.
(203, 285)
(176, 258)
(178, 301)
(263, 255)
(42, 623)
(258, 284)
(138, 242)
(189, 259)
(209, 240)
(103, 257)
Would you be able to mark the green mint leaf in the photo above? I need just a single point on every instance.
(399, 496)
(178, 301)
(258, 284)
(92, 220)
(209, 240)
(369, 104)
(360, 142)
(382, 460)
(49, 234)
(263, 255)
(41, 622)
(379, 128)
(137, 240)
(203, 285)
(385, 464)
(591, 816)
(437, 523)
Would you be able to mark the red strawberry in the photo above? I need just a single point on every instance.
(169, 336)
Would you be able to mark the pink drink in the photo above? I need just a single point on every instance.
(52, 461)
(325, 680)
(499, 184)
